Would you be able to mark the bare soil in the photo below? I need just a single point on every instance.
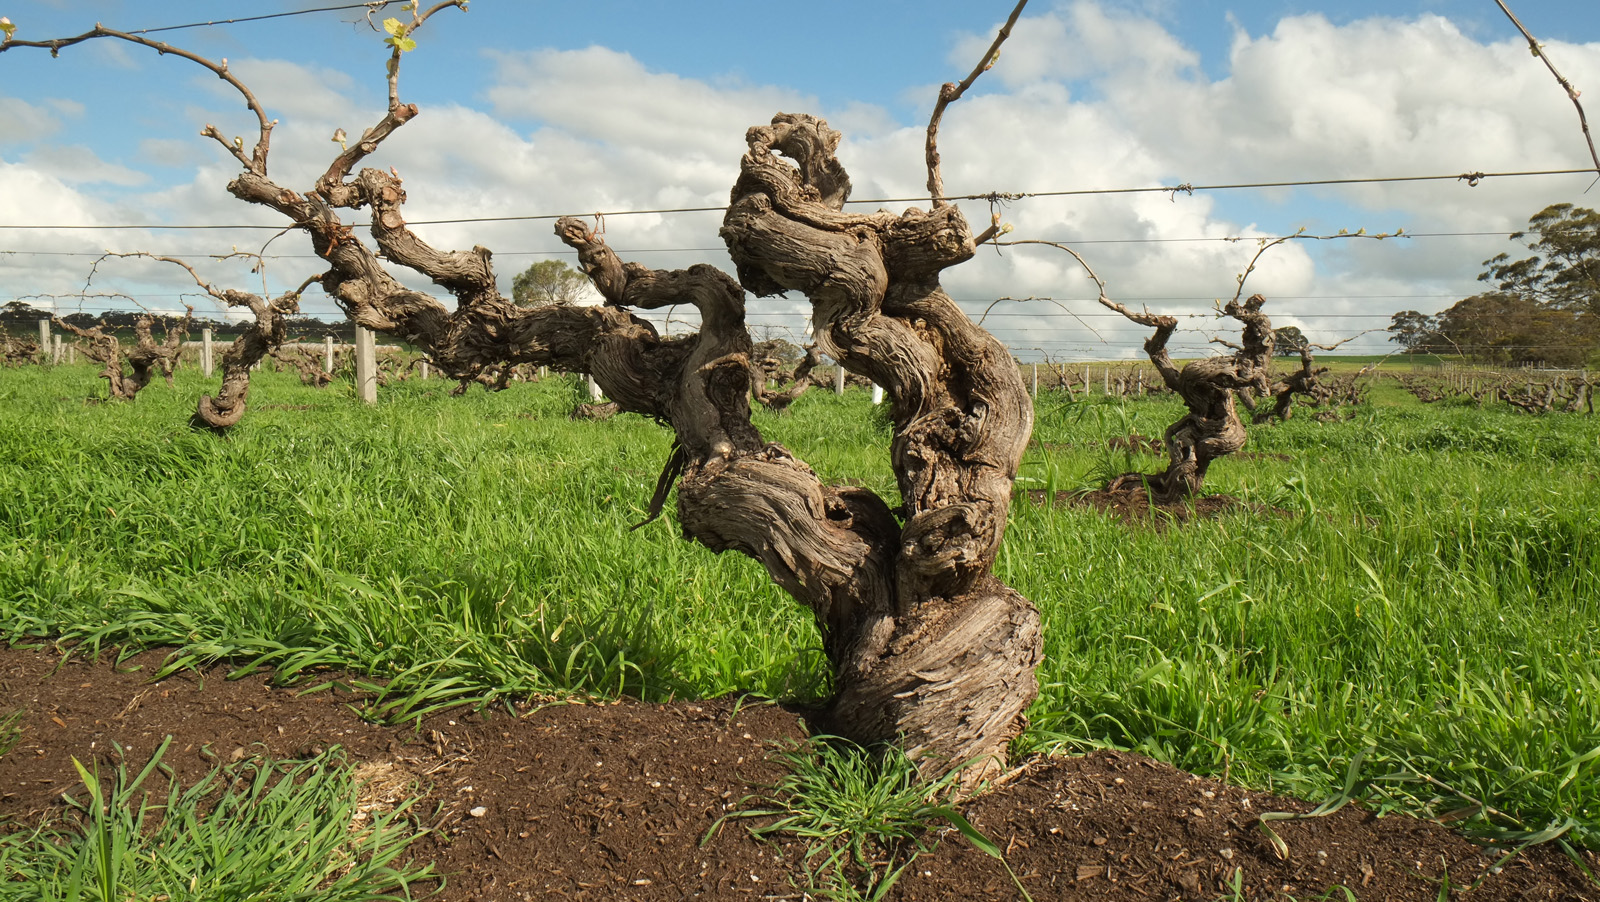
(587, 801)
(1132, 504)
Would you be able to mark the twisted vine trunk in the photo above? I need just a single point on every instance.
(927, 647)
(766, 366)
(1211, 428)
(225, 409)
(146, 359)
(1304, 381)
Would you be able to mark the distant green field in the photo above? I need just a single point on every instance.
(1424, 588)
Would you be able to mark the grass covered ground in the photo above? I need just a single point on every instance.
(1424, 602)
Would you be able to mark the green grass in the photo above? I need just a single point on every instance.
(255, 829)
(1427, 595)
(863, 814)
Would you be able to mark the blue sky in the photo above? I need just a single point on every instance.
(538, 108)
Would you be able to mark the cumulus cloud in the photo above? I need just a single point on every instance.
(1082, 41)
(76, 164)
(604, 95)
(1375, 97)
(22, 122)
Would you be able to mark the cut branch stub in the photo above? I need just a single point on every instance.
(953, 667)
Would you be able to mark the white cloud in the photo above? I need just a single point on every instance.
(603, 95)
(290, 91)
(174, 152)
(1080, 41)
(71, 109)
(1376, 97)
(21, 121)
(78, 165)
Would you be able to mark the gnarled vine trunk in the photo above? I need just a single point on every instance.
(927, 647)
(768, 366)
(261, 339)
(16, 351)
(1211, 428)
(146, 359)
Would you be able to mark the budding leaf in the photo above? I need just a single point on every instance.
(7, 27)
(339, 138)
(397, 35)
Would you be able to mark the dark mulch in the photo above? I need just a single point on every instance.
(611, 801)
(1139, 443)
(1133, 504)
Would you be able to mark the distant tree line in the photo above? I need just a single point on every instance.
(1543, 309)
(545, 283)
(21, 319)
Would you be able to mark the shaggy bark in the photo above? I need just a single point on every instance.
(145, 360)
(927, 645)
(1211, 429)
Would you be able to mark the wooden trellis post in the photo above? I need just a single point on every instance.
(366, 365)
